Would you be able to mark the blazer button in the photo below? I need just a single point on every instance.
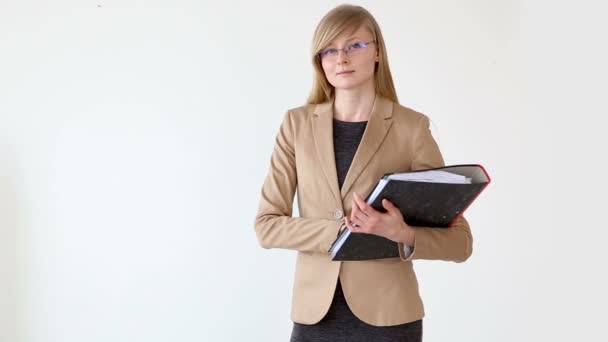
(338, 214)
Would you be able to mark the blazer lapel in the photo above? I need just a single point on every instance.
(322, 130)
(375, 131)
(378, 125)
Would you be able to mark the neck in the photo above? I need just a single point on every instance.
(354, 104)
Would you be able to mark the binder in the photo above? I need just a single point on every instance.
(427, 198)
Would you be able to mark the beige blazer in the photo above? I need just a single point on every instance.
(379, 292)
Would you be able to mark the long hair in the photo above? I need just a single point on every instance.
(347, 18)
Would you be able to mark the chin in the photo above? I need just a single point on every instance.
(347, 85)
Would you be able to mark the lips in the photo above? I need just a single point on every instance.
(345, 72)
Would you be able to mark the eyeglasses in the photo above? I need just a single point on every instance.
(350, 50)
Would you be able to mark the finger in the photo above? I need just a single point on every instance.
(360, 217)
(350, 224)
(391, 208)
(388, 205)
(357, 224)
(355, 209)
(364, 207)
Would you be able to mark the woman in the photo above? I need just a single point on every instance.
(333, 150)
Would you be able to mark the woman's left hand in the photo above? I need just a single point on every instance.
(389, 225)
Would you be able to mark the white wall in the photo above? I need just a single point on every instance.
(135, 136)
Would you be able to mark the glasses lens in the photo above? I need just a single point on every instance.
(351, 50)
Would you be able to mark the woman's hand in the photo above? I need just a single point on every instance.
(366, 219)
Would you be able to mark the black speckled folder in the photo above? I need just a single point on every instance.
(422, 203)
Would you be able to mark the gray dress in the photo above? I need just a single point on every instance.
(340, 324)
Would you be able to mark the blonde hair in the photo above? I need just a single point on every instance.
(334, 23)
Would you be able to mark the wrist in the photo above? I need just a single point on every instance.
(408, 235)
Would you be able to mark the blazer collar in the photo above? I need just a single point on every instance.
(375, 132)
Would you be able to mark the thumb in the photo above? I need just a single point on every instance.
(388, 205)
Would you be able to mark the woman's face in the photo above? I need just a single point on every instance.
(354, 69)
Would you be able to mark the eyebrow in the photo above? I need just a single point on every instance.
(347, 40)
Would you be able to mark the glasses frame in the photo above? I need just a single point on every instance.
(345, 49)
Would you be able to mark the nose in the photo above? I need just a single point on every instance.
(342, 57)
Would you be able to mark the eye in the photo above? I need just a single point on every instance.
(329, 52)
(358, 45)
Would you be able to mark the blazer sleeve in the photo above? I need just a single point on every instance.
(274, 225)
(449, 244)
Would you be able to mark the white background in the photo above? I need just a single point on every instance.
(135, 137)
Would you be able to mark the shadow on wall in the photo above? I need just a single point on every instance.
(11, 221)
